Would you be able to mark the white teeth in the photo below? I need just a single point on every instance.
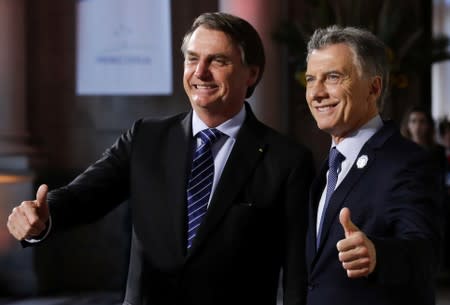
(324, 108)
(203, 87)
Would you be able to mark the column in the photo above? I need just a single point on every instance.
(15, 177)
(269, 101)
(12, 79)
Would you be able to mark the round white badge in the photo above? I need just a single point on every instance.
(362, 161)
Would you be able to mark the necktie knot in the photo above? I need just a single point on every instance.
(209, 136)
(335, 159)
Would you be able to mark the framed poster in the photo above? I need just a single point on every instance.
(124, 47)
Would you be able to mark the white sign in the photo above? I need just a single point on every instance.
(124, 47)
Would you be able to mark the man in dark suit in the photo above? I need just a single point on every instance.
(253, 223)
(373, 223)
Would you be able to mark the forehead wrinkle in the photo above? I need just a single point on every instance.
(354, 58)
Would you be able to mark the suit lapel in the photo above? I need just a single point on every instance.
(315, 193)
(247, 151)
(179, 143)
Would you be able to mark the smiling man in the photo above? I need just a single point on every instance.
(215, 77)
(218, 199)
(373, 229)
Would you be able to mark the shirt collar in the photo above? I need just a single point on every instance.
(230, 127)
(351, 145)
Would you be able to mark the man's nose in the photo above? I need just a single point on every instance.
(316, 90)
(202, 70)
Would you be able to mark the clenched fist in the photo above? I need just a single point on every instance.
(29, 219)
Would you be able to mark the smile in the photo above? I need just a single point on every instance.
(204, 86)
(325, 108)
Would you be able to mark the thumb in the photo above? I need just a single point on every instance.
(41, 196)
(346, 222)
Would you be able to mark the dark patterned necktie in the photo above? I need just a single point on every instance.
(200, 181)
(334, 164)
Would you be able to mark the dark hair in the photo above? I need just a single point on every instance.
(241, 32)
(430, 141)
(370, 52)
(444, 127)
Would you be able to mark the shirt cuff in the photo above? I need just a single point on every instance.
(43, 235)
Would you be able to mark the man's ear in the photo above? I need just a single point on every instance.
(253, 75)
(376, 86)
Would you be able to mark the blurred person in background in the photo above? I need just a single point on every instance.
(418, 126)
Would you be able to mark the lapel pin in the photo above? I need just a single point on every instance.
(362, 161)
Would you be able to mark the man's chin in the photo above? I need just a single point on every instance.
(325, 127)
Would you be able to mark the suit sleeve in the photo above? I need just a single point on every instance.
(296, 203)
(412, 212)
(98, 190)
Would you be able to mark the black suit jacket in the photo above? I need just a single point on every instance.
(391, 200)
(255, 223)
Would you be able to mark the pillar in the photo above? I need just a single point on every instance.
(12, 78)
(269, 101)
(17, 277)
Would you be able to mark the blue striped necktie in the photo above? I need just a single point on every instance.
(334, 164)
(200, 181)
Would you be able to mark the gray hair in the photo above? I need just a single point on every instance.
(241, 32)
(369, 51)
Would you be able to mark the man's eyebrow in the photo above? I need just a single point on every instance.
(209, 56)
(334, 72)
(327, 73)
(188, 52)
(219, 56)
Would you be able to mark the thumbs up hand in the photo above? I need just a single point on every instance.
(29, 218)
(356, 251)
(41, 202)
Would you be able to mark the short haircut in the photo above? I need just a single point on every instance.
(242, 33)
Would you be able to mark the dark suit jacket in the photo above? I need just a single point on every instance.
(255, 223)
(391, 201)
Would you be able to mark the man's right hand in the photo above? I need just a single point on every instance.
(29, 219)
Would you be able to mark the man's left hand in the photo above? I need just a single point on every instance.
(356, 251)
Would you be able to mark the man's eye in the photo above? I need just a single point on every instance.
(333, 77)
(309, 79)
(190, 59)
(220, 61)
